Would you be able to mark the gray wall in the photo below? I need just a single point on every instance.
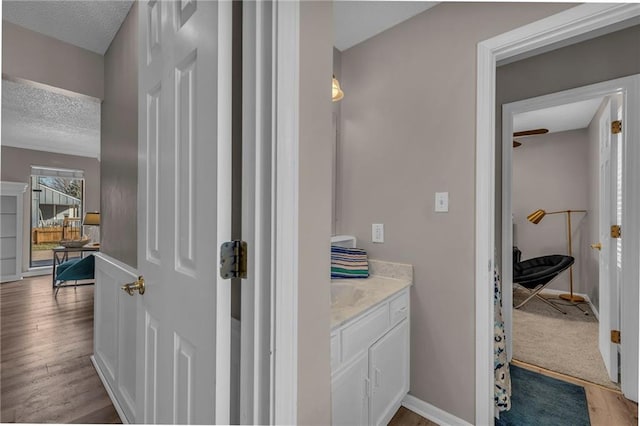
(119, 144)
(314, 227)
(407, 131)
(604, 58)
(16, 167)
(551, 172)
(36, 57)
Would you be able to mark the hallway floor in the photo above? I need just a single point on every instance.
(46, 375)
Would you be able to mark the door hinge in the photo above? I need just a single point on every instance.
(233, 259)
(615, 231)
(616, 127)
(615, 336)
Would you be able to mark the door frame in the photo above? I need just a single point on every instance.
(623, 85)
(285, 175)
(546, 34)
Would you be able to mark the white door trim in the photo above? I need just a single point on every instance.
(223, 288)
(257, 207)
(573, 22)
(285, 175)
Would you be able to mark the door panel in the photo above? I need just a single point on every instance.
(608, 277)
(349, 397)
(389, 373)
(184, 212)
(150, 379)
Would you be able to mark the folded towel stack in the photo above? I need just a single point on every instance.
(349, 263)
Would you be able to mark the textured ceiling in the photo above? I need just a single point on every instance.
(88, 24)
(36, 118)
(560, 118)
(356, 21)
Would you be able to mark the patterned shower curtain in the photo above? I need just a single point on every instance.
(502, 392)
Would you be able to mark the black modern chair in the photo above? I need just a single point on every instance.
(537, 273)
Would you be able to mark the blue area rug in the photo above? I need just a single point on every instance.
(538, 400)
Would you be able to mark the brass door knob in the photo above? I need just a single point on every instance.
(597, 246)
(136, 285)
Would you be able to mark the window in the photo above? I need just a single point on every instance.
(57, 208)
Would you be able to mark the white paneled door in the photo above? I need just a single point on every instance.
(184, 211)
(609, 264)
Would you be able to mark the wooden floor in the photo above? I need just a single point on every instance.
(607, 407)
(407, 417)
(46, 375)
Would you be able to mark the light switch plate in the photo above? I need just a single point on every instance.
(442, 202)
(377, 233)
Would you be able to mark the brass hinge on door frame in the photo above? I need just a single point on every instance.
(615, 336)
(615, 231)
(233, 259)
(616, 127)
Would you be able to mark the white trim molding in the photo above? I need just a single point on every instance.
(432, 412)
(286, 176)
(574, 22)
(38, 271)
(107, 387)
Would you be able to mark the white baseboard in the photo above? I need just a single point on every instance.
(36, 272)
(552, 292)
(115, 402)
(432, 413)
(11, 278)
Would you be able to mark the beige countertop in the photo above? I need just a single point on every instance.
(351, 297)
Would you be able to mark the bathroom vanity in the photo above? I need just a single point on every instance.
(370, 344)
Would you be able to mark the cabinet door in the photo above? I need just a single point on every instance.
(349, 399)
(389, 373)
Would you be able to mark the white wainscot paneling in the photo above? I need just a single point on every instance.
(114, 345)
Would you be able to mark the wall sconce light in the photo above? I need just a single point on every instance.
(336, 91)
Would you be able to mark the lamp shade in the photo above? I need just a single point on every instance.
(336, 91)
(536, 216)
(91, 219)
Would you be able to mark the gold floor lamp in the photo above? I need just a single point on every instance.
(535, 218)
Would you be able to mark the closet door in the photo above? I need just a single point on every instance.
(349, 396)
(389, 373)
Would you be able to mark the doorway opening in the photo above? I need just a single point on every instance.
(57, 208)
(572, 166)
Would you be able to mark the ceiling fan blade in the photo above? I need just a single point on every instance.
(531, 132)
(516, 143)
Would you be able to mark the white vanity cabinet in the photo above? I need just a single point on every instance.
(350, 393)
(389, 373)
(370, 363)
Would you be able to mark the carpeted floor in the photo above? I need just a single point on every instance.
(566, 344)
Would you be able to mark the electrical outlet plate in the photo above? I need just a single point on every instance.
(377, 233)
